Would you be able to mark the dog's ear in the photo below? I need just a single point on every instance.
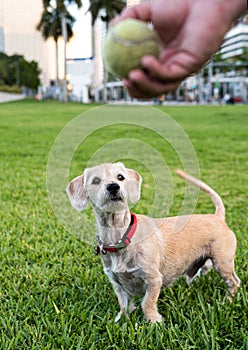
(134, 186)
(77, 194)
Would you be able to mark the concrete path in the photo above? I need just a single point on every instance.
(6, 97)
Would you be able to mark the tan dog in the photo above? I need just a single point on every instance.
(140, 254)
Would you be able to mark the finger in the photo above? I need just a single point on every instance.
(171, 68)
(165, 16)
(140, 86)
(136, 91)
(141, 12)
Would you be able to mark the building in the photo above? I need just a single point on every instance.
(18, 35)
(1, 28)
(80, 75)
(1, 40)
(1, 31)
(235, 42)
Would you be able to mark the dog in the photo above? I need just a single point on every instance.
(140, 254)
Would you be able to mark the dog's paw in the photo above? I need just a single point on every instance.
(154, 318)
(118, 316)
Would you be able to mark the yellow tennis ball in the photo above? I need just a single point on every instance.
(126, 43)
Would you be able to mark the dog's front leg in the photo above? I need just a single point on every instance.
(149, 303)
(126, 304)
(125, 300)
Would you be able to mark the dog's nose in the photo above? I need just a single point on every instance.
(113, 187)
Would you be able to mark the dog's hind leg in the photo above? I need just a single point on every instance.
(230, 278)
(224, 265)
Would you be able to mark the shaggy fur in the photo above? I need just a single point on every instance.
(161, 249)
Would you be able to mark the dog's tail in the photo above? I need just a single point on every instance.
(219, 206)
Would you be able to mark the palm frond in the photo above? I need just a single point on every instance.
(111, 8)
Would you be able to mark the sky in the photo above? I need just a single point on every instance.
(80, 45)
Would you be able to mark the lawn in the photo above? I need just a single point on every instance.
(53, 293)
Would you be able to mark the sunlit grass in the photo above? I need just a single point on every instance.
(53, 293)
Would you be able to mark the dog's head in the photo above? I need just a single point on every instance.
(108, 187)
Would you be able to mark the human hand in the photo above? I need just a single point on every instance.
(190, 31)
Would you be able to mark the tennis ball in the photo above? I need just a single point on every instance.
(126, 43)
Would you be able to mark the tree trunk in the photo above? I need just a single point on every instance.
(105, 78)
(64, 33)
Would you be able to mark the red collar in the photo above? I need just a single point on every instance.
(122, 243)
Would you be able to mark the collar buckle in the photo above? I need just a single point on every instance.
(122, 243)
(119, 245)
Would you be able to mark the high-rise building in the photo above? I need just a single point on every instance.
(1, 29)
(235, 42)
(1, 39)
(18, 35)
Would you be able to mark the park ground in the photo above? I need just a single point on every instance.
(53, 293)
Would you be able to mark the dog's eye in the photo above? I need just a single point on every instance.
(120, 177)
(96, 181)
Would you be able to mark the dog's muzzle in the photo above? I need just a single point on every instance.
(113, 190)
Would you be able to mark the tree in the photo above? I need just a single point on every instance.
(61, 19)
(109, 9)
(3, 72)
(15, 70)
(50, 27)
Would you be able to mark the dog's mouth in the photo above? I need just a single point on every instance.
(116, 198)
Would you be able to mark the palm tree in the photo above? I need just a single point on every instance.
(109, 8)
(50, 27)
(58, 21)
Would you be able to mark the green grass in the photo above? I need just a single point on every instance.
(53, 293)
